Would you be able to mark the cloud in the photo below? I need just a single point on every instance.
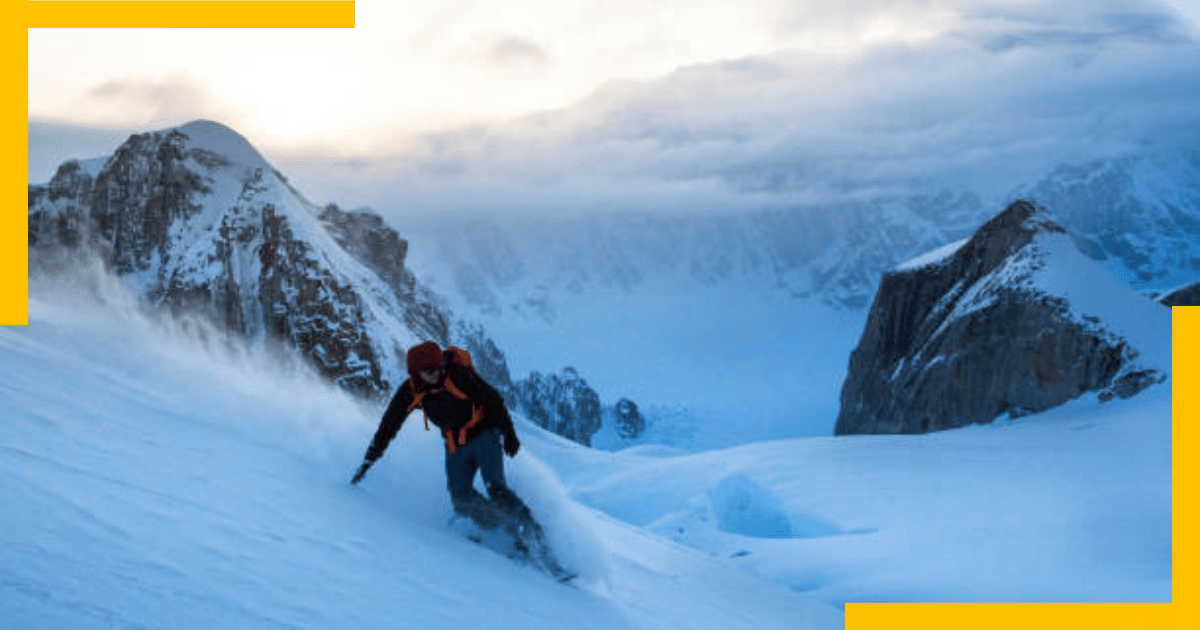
(513, 52)
(980, 95)
(1071, 23)
(153, 102)
(1072, 81)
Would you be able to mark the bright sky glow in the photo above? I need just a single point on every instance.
(406, 66)
(902, 76)
(422, 65)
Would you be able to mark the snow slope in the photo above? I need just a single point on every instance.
(157, 478)
(155, 481)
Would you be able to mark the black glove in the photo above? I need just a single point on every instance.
(511, 444)
(362, 471)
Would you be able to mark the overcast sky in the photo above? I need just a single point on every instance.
(677, 101)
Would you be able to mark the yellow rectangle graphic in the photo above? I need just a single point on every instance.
(191, 14)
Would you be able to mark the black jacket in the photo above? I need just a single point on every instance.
(445, 410)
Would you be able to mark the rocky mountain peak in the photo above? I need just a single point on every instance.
(562, 403)
(197, 223)
(997, 240)
(994, 325)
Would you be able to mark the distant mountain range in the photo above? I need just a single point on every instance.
(1139, 216)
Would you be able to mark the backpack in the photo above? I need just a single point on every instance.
(454, 356)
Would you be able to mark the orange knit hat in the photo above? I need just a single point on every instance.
(424, 356)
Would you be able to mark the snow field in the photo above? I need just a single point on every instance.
(155, 478)
(1073, 506)
(165, 478)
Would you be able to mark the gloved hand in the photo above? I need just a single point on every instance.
(362, 471)
(511, 444)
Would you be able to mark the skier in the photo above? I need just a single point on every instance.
(477, 429)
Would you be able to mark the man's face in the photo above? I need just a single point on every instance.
(432, 375)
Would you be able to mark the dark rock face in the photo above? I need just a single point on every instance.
(142, 191)
(968, 338)
(300, 302)
(487, 358)
(380, 249)
(562, 403)
(630, 423)
(1183, 296)
(69, 192)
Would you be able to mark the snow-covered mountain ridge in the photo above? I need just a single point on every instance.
(1137, 213)
(831, 253)
(200, 225)
(694, 299)
(195, 220)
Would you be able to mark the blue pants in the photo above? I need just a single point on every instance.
(483, 455)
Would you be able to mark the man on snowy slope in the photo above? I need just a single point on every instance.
(477, 429)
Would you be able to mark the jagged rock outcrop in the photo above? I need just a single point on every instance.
(197, 223)
(562, 403)
(630, 423)
(994, 325)
(58, 211)
(380, 248)
(1183, 296)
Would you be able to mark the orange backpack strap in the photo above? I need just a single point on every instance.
(454, 390)
(416, 402)
(476, 418)
(452, 441)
